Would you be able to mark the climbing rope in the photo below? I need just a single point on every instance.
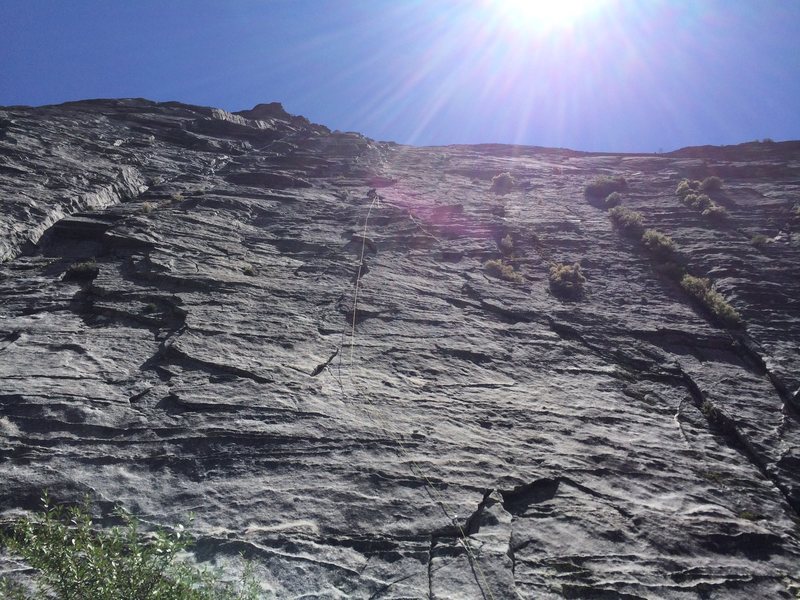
(415, 468)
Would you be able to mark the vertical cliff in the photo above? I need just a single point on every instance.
(351, 361)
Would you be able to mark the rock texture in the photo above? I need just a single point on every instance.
(290, 332)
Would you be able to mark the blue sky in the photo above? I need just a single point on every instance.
(621, 75)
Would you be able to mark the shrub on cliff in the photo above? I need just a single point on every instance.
(502, 183)
(75, 560)
(683, 189)
(715, 212)
(711, 184)
(627, 221)
(502, 270)
(567, 281)
(603, 186)
(700, 288)
(698, 201)
(659, 244)
(82, 271)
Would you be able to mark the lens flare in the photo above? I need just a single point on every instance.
(538, 15)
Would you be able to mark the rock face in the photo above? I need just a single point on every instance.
(290, 332)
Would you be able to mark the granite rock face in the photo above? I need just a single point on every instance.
(291, 333)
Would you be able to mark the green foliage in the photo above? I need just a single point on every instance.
(502, 183)
(686, 187)
(74, 560)
(701, 289)
(626, 221)
(716, 213)
(613, 199)
(249, 270)
(711, 184)
(698, 201)
(567, 281)
(502, 270)
(603, 186)
(688, 192)
(659, 244)
(683, 189)
(82, 271)
(759, 240)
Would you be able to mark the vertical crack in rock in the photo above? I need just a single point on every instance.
(721, 423)
(324, 365)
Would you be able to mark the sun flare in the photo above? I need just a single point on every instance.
(543, 14)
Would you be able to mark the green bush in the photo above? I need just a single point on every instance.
(626, 221)
(700, 288)
(74, 561)
(759, 241)
(659, 244)
(683, 189)
(711, 184)
(502, 270)
(82, 271)
(603, 186)
(716, 212)
(567, 281)
(502, 183)
(698, 201)
(613, 199)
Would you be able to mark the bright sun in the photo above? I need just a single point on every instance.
(543, 14)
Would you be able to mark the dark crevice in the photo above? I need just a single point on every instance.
(322, 366)
(726, 428)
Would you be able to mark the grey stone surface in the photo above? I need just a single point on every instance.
(469, 437)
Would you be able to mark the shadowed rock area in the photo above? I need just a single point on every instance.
(292, 333)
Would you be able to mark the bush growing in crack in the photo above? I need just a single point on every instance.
(659, 244)
(602, 187)
(502, 183)
(711, 184)
(686, 187)
(628, 222)
(700, 288)
(567, 281)
(689, 192)
(504, 271)
(698, 201)
(82, 271)
(716, 213)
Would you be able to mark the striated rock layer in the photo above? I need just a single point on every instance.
(444, 433)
